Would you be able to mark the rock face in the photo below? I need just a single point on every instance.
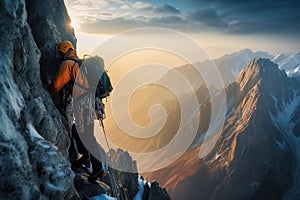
(50, 24)
(250, 152)
(155, 193)
(257, 153)
(33, 140)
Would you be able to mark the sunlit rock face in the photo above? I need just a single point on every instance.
(257, 153)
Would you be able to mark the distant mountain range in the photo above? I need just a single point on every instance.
(291, 64)
(231, 65)
(257, 154)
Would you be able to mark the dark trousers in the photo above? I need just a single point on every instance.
(76, 143)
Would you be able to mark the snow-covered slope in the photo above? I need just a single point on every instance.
(294, 72)
(279, 58)
(231, 65)
(289, 62)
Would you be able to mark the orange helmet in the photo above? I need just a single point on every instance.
(65, 46)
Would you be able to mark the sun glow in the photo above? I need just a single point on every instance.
(87, 43)
(74, 25)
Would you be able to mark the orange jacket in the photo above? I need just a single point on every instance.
(67, 72)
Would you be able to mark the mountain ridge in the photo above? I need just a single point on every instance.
(224, 172)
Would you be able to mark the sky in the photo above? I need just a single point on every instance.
(220, 26)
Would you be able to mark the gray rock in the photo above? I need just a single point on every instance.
(127, 182)
(15, 168)
(34, 140)
(32, 167)
(50, 24)
(54, 174)
(157, 193)
(256, 154)
(87, 190)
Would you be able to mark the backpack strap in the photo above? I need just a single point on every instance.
(75, 60)
(79, 63)
(82, 87)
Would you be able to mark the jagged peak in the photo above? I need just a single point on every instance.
(249, 52)
(243, 52)
(297, 55)
(259, 69)
(279, 57)
(246, 51)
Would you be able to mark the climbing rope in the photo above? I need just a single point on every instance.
(115, 187)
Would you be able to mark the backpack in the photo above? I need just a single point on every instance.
(93, 67)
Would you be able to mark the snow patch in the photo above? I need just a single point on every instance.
(294, 72)
(285, 116)
(102, 197)
(217, 155)
(279, 58)
(54, 187)
(285, 125)
(275, 101)
(33, 132)
(139, 195)
(255, 185)
(289, 63)
(38, 139)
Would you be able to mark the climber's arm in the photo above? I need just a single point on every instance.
(62, 77)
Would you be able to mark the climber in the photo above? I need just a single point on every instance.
(64, 81)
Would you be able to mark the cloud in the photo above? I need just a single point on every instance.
(251, 17)
(119, 24)
(209, 17)
(80, 7)
(166, 9)
(86, 4)
(112, 26)
(117, 1)
(105, 14)
(278, 27)
(141, 5)
(230, 17)
(99, 3)
(166, 19)
(125, 6)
